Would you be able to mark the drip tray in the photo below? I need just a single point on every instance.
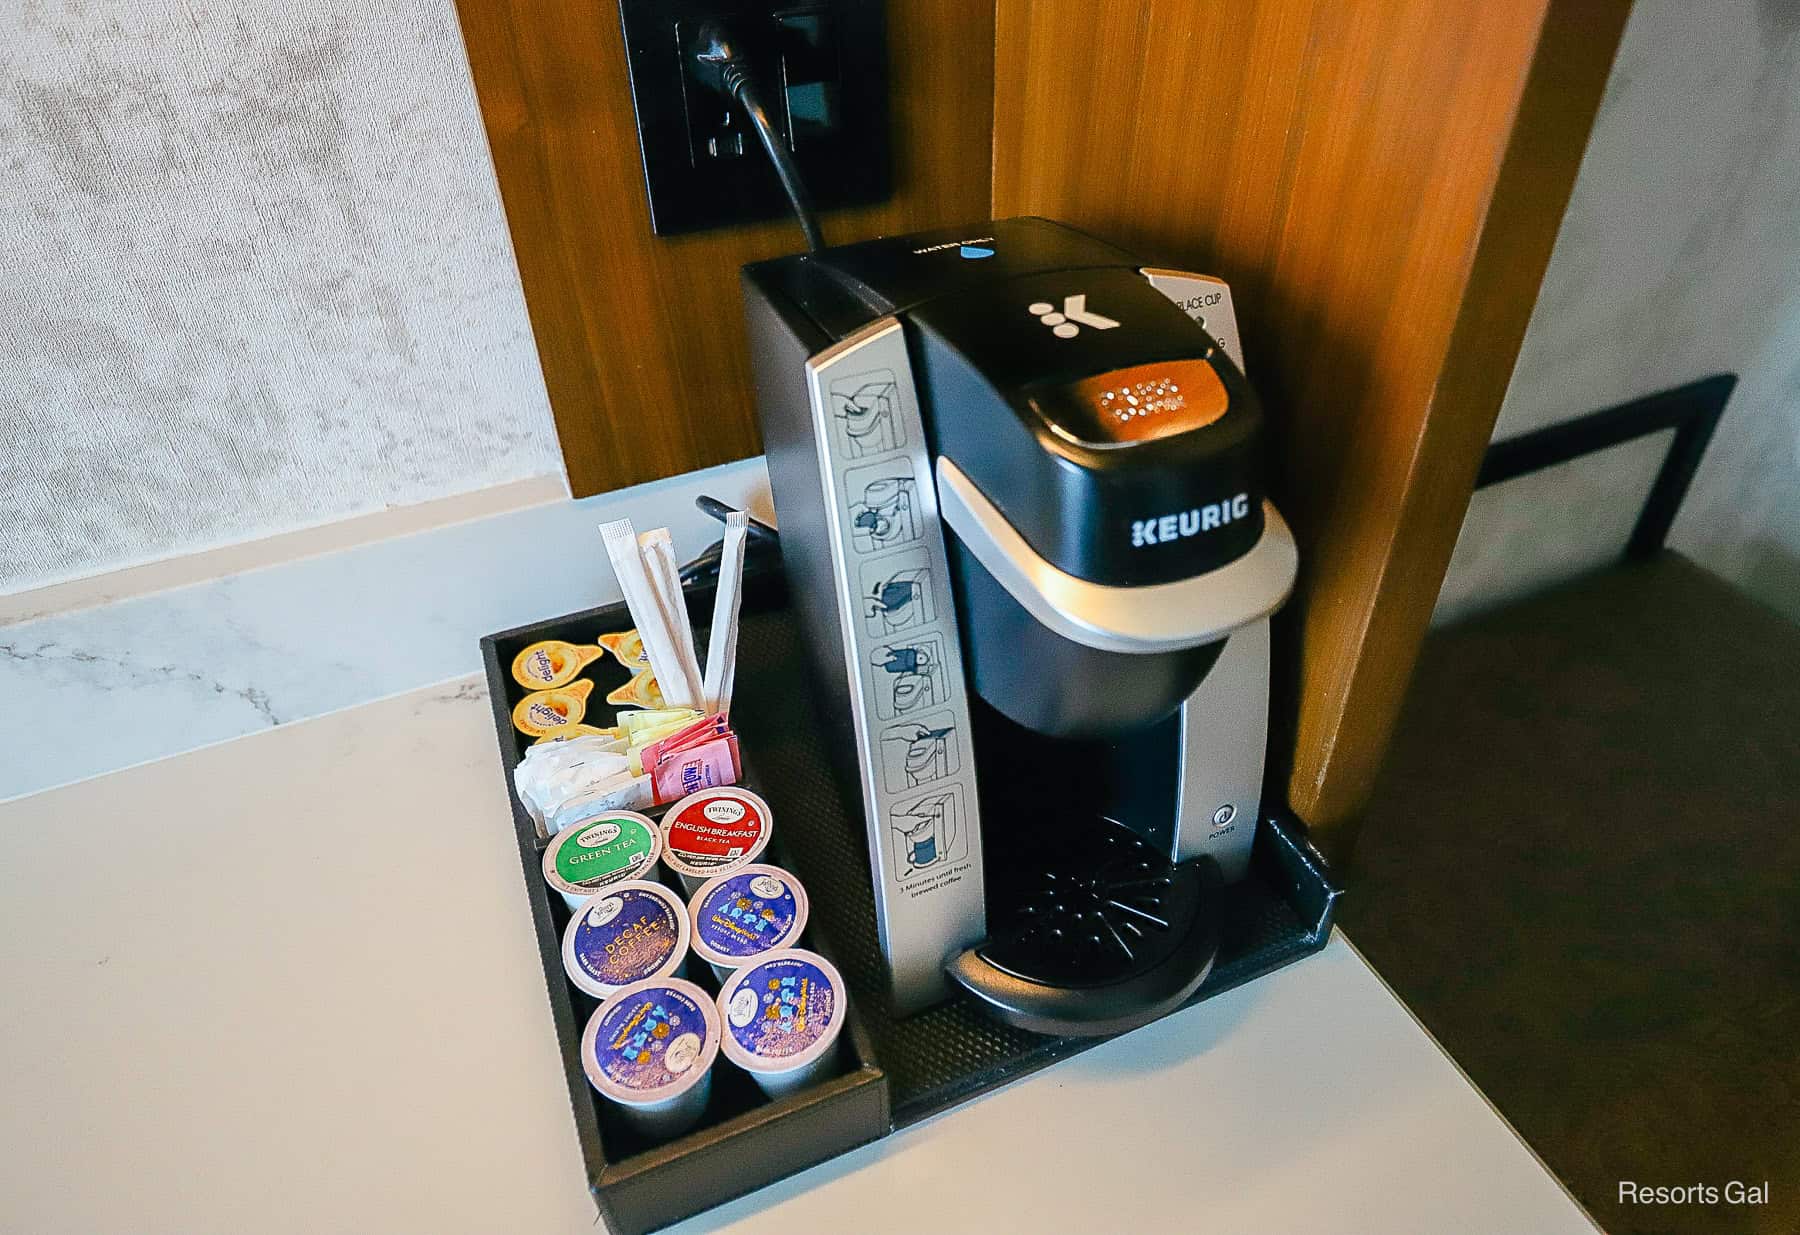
(1106, 909)
(1109, 935)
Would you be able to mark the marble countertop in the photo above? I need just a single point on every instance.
(118, 684)
(286, 981)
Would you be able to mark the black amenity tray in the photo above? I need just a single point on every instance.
(893, 1071)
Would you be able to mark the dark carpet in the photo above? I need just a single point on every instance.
(1581, 870)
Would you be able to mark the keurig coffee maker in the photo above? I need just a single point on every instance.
(1020, 498)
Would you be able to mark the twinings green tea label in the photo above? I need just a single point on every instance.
(605, 850)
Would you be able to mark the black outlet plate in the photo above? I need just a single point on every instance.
(702, 170)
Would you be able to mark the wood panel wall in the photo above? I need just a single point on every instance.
(642, 338)
(1381, 182)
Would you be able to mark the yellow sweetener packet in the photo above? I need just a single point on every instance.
(544, 710)
(576, 731)
(642, 738)
(635, 723)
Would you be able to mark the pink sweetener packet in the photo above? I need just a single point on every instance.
(706, 766)
(703, 730)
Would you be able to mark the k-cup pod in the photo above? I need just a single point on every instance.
(782, 1017)
(590, 856)
(631, 931)
(737, 919)
(714, 832)
(650, 1049)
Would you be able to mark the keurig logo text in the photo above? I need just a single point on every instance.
(1165, 528)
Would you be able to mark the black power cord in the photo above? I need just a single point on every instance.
(720, 53)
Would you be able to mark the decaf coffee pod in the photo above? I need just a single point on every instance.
(650, 1049)
(782, 1018)
(586, 858)
(552, 662)
(737, 919)
(543, 710)
(630, 931)
(714, 832)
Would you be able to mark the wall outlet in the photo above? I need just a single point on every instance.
(822, 66)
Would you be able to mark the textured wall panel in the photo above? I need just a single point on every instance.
(1679, 256)
(256, 277)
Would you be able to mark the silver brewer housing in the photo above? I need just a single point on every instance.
(1019, 488)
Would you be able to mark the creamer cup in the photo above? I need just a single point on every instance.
(552, 663)
(543, 710)
(782, 1016)
(584, 858)
(714, 832)
(649, 1049)
(630, 931)
(736, 919)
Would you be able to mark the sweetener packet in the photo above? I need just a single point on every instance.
(706, 766)
(702, 730)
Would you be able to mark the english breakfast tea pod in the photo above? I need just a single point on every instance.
(543, 710)
(552, 663)
(630, 931)
(588, 857)
(714, 832)
(650, 1049)
(739, 918)
(782, 1017)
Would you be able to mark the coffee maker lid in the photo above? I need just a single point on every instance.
(1160, 617)
(844, 288)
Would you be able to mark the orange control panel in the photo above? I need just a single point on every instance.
(1139, 404)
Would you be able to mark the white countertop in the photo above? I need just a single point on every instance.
(287, 981)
